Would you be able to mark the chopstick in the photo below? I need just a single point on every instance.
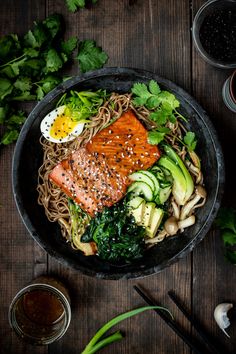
(172, 324)
(197, 327)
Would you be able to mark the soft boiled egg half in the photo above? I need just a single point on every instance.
(59, 127)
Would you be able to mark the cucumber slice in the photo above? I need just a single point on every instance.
(141, 177)
(154, 180)
(164, 194)
(135, 202)
(142, 188)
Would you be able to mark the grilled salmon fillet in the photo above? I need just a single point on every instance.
(124, 145)
(89, 181)
(96, 175)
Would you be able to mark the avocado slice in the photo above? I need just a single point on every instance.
(189, 181)
(179, 188)
(156, 220)
(147, 216)
(138, 213)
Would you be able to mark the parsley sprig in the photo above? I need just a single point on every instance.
(226, 221)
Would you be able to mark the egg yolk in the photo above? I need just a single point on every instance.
(62, 127)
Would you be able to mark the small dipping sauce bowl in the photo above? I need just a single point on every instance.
(229, 92)
(40, 313)
(214, 32)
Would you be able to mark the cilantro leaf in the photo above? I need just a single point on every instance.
(69, 45)
(3, 113)
(158, 117)
(154, 88)
(229, 238)
(33, 67)
(25, 96)
(23, 84)
(53, 61)
(140, 90)
(152, 97)
(31, 52)
(16, 119)
(73, 5)
(169, 98)
(158, 135)
(37, 37)
(46, 85)
(6, 87)
(9, 137)
(90, 56)
(10, 47)
(53, 23)
(190, 141)
(226, 219)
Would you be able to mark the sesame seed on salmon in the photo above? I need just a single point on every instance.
(97, 175)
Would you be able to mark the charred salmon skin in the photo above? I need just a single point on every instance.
(97, 175)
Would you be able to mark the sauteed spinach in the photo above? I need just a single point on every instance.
(118, 237)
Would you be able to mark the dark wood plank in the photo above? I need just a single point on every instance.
(20, 258)
(213, 278)
(145, 35)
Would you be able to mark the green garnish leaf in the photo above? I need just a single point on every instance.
(53, 61)
(53, 24)
(69, 46)
(158, 135)
(163, 104)
(90, 56)
(3, 113)
(190, 141)
(6, 87)
(226, 221)
(167, 97)
(23, 84)
(229, 238)
(154, 88)
(9, 137)
(73, 5)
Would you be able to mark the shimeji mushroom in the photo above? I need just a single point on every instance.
(171, 226)
(182, 224)
(200, 193)
(176, 209)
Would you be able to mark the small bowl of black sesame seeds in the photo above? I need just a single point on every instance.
(214, 32)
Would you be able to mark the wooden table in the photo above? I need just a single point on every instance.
(156, 36)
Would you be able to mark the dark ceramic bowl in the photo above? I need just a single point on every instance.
(28, 157)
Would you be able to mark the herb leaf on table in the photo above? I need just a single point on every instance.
(74, 5)
(226, 221)
(31, 66)
(90, 56)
